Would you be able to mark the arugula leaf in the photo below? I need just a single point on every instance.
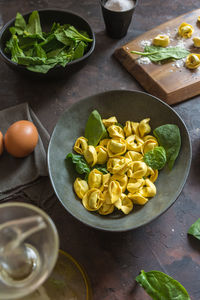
(195, 229)
(156, 158)
(161, 286)
(169, 137)
(95, 129)
(157, 53)
(79, 162)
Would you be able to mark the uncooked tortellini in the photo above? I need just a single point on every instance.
(185, 30)
(192, 61)
(161, 40)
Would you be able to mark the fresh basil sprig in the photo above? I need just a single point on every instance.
(156, 53)
(195, 229)
(161, 286)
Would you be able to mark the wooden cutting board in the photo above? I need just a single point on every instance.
(172, 81)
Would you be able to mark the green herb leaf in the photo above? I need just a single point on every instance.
(79, 162)
(161, 286)
(72, 33)
(169, 137)
(95, 129)
(34, 27)
(156, 53)
(101, 168)
(156, 158)
(40, 51)
(14, 48)
(195, 229)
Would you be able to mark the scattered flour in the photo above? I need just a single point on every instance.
(144, 60)
(145, 43)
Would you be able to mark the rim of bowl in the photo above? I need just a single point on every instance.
(178, 191)
(8, 24)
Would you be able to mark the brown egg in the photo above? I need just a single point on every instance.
(1, 143)
(21, 138)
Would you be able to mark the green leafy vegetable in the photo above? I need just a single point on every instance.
(101, 168)
(161, 286)
(81, 165)
(156, 53)
(40, 51)
(95, 129)
(156, 158)
(169, 137)
(195, 229)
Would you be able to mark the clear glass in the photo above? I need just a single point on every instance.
(31, 265)
(28, 265)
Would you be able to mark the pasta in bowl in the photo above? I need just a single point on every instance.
(116, 176)
(130, 193)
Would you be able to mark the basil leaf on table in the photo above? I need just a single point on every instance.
(156, 53)
(161, 286)
(195, 229)
(169, 138)
(95, 129)
(79, 162)
(156, 158)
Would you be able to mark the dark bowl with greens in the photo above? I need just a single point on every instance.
(47, 43)
(124, 105)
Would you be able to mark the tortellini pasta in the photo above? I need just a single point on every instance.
(119, 177)
(185, 30)
(192, 61)
(161, 40)
(196, 41)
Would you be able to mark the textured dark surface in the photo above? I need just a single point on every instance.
(113, 260)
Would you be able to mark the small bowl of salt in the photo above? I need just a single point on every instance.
(117, 16)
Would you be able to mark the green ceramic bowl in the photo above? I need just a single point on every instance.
(125, 105)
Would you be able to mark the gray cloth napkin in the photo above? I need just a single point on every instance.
(25, 176)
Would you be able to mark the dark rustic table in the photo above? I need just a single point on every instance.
(113, 260)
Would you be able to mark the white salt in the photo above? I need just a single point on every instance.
(119, 5)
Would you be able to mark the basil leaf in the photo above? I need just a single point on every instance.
(79, 162)
(20, 25)
(195, 229)
(156, 53)
(95, 129)
(161, 286)
(169, 137)
(156, 158)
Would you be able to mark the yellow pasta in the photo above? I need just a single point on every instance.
(81, 145)
(185, 30)
(196, 41)
(161, 40)
(129, 180)
(192, 61)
